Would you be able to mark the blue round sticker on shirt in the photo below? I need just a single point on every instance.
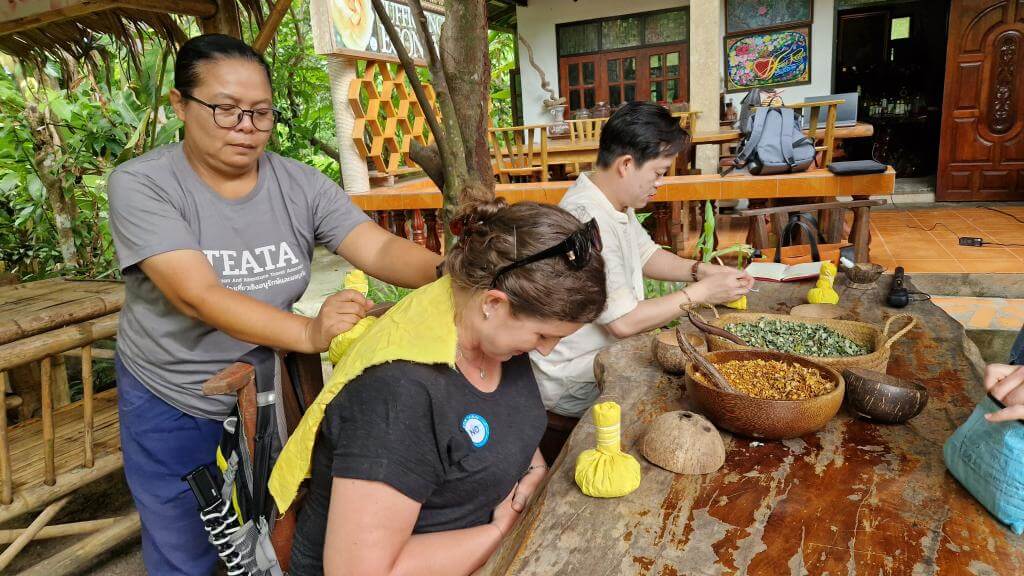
(478, 429)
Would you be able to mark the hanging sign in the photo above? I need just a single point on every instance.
(351, 28)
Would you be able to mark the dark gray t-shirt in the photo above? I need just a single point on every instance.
(430, 434)
(260, 245)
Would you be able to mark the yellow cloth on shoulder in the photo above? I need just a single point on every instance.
(420, 328)
(606, 471)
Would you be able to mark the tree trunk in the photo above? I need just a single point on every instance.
(225, 21)
(467, 66)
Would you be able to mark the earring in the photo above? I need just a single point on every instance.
(487, 315)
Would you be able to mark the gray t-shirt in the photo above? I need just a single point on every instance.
(260, 245)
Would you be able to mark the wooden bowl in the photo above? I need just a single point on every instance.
(864, 273)
(760, 417)
(882, 397)
(666, 351)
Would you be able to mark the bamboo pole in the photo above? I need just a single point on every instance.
(87, 408)
(38, 347)
(59, 384)
(73, 559)
(42, 520)
(5, 449)
(270, 25)
(45, 378)
(36, 496)
(60, 530)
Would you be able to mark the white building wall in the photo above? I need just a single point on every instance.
(536, 23)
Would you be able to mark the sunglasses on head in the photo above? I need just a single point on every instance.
(576, 248)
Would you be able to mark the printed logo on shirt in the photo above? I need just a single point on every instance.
(478, 429)
(264, 267)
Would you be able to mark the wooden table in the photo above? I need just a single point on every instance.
(567, 152)
(854, 498)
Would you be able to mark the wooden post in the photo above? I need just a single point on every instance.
(861, 245)
(270, 25)
(87, 408)
(60, 386)
(42, 520)
(433, 242)
(224, 21)
(760, 231)
(662, 215)
(419, 235)
(73, 559)
(830, 126)
(46, 379)
(58, 531)
(399, 223)
(5, 449)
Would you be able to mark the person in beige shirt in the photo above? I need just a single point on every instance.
(638, 145)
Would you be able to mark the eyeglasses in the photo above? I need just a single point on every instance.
(229, 115)
(577, 248)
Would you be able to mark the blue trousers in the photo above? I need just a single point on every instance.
(160, 445)
(1017, 351)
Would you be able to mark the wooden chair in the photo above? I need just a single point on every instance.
(582, 131)
(301, 382)
(520, 153)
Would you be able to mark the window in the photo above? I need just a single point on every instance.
(631, 31)
(616, 60)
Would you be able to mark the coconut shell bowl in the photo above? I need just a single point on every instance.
(759, 417)
(864, 273)
(883, 398)
(667, 353)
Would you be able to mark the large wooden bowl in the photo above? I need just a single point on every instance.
(759, 417)
(669, 356)
(882, 397)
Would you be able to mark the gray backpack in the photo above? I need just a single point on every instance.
(774, 143)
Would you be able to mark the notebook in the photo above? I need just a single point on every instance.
(774, 272)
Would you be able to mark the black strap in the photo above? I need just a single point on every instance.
(798, 219)
(264, 363)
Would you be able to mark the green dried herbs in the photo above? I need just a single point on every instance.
(797, 338)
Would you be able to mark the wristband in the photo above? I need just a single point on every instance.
(689, 301)
(693, 269)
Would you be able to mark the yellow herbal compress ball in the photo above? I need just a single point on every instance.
(357, 280)
(740, 304)
(607, 471)
(823, 293)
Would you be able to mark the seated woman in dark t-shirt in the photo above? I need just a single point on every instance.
(422, 469)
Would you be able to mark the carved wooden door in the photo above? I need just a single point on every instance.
(982, 149)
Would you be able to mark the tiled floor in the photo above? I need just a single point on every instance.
(984, 313)
(925, 240)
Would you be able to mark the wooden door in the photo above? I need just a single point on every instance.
(668, 74)
(982, 146)
(582, 85)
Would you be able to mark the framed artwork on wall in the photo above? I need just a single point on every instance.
(768, 59)
(748, 15)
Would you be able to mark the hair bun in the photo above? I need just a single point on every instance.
(481, 212)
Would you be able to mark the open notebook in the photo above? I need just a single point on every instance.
(773, 272)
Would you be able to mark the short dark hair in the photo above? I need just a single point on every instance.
(643, 130)
(207, 48)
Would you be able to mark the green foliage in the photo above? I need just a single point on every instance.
(381, 291)
(503, 60)
(118, 112)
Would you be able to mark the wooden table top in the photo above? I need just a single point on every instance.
(422, 194)
(853, 498)
(36, 307)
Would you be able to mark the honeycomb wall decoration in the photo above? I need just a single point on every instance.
(390, 120)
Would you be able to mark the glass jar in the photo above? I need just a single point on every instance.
(558, 128)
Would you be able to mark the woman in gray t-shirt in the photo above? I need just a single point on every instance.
(214, 236)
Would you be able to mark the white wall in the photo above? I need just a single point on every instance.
(537, 22)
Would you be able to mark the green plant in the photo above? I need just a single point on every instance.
(381, 291)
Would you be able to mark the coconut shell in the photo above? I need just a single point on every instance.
(685, 443)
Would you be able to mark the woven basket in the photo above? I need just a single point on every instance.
(879, 339)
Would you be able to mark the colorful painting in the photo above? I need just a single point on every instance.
(351, 28)
(768, 59)
(746, 15)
